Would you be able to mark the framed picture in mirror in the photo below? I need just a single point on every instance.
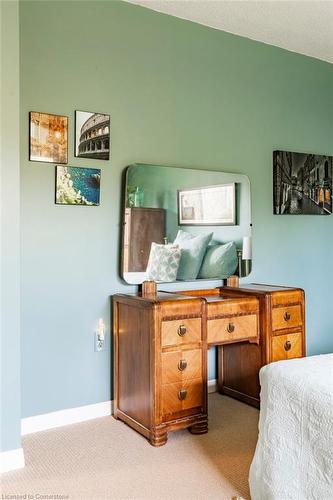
(207, 206)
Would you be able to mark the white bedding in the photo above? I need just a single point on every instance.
(294, 454)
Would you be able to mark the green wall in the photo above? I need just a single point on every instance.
(10, 391)
(178, 94)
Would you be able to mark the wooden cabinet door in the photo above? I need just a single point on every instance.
(142, 227)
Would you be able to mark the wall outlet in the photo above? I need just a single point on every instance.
(99, 342)
(100, 336)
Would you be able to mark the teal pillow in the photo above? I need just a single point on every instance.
(193, 250)
(220, 261)
(184, 236)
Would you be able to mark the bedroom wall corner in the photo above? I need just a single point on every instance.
(10, 411)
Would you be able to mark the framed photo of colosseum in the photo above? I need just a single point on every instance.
(302, 183)
(92, 135)
(48, 137)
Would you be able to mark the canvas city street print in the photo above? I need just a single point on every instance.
(302, 183)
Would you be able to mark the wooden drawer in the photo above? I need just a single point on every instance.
(287, 347)
(285, 297)
(223, 306)
(286, 317)
(181, 331)
(232, 329)
(181, 365)
(181, 396)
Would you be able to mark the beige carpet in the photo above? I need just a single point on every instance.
(105, 459)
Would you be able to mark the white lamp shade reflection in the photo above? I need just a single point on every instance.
(247, 248)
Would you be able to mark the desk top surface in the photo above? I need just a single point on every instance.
(211, 295)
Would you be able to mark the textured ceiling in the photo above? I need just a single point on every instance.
(300, 26)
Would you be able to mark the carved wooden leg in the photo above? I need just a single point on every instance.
(201, 427)
(158, 437)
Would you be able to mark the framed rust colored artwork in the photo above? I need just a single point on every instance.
(48, 137)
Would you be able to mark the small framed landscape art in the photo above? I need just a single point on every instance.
(77, 186)
(92, 135)
(207, 206)
(302, 183)
(48, 137)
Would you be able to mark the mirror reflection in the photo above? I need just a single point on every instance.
(185, 224)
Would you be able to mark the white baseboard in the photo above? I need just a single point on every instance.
(212, 386)
(11, 460)
(75, 415)
(14, 459)
(65, 417)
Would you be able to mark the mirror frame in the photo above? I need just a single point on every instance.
(123, 206)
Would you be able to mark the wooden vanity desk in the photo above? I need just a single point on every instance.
(160, 351)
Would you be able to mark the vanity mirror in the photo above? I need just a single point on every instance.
(185, 224)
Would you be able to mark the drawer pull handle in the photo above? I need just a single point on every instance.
(287, 345)
(287, 316)
(182, 394)
(182, 365)
(182, 330)
(231, 327)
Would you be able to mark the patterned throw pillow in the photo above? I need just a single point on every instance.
(163, 262)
